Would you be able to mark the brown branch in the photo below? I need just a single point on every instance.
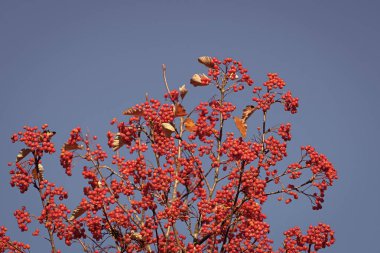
(166, 82)
(50, 232)
(235, 202)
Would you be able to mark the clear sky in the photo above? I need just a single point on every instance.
(70, 63)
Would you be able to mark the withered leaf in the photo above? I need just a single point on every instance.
(207, 61)
(196, 80)
(190, 125)
(133, 111)
(247, 112)
(78, 211)
(74, 146)
(49, 133)
(233, 76)
(179, 111)
(241, 126)
(117, 142)
(35, 174)
(38, 174)
(22, 154)
(136, 236)
(168, 129)
(182, 91)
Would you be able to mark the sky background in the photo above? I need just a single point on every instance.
(81, 63)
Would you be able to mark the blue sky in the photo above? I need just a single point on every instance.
(70, 63)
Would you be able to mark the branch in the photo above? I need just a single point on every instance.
(166, 82)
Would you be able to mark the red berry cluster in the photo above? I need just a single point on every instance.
(227, 70)
(214, 71)
(206, 123)
(7, 245)
(294, 170)
(324, 173)
(252, 186)
(23, 218)
(276, 151)
(98, 154)
(284, 131)
(67, 154)
(265, 102)
(225, 108)
(173, 95)
(239, 150)
(21, 178)
(37, 141)
(235, 68)
(290, 102)
(321, 236)
(274, 82)
(66, 160)
(317, 237)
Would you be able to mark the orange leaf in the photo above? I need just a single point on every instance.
(190, 125)
(179, 111)
(35, 174)
(74, 146)
(133, 111)
(241, 126)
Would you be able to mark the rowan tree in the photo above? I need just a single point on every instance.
(176, 179)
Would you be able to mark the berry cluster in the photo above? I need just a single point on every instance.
(290, 102)
(274, 82)
(284, 131)
(38, 141)
(21, 178)
(317, 237)
(324, 173)
(66, 152)
(7, 245)
(23, 218)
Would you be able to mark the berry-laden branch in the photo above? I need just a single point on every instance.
(175, 178)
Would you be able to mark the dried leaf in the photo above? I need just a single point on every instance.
(22, 154)
(182, 91)
(117, 142)
(179, 111)
(38, 174)
(136, 236)
(41, 171)
(207, 61)
(49, 133)
(35, 174)
(233, 76)
(78, 211)
(190, 125)
(133, 111)
(74, 146)
(168, 129)
(196, 80)
(247, 112)
(241, 126)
